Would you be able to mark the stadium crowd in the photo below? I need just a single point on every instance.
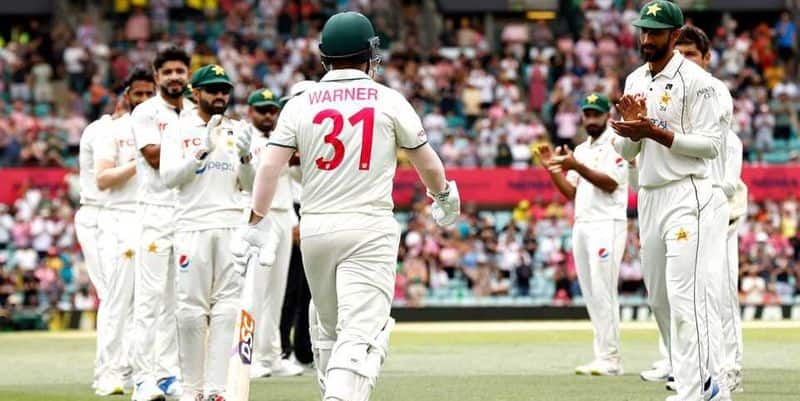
(483, 104)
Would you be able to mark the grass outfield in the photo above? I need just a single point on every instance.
(441, 361)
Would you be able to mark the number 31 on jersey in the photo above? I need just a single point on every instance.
(365, 116)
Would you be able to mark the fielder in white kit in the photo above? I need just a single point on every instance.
(671, 120)
(206, 157)
(347, 129)
(87, 231)
(155, 346)
(597, 181)
(732, 344)
(263, 112)
(115, 166)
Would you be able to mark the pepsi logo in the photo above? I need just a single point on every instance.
(183, 262)
(603, 253)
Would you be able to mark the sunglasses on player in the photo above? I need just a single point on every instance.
(265, 109)
(214, 89)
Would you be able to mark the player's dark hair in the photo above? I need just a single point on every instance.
(692, 35)
(172, 53)
(139, 74)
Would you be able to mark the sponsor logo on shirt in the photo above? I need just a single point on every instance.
(660, 123)
(212, 165)
(183, 263)
(603, 253)
(707, 92)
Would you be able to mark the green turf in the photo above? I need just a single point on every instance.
(490, 366)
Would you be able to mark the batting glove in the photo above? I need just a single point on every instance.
(446, 205)
(249, 242)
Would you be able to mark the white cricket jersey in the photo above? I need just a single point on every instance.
(117, 146)
(90, 195)
(149, 120)
(283, 191)
(347, 129)
(591, 202)
(208, 193)
(725, 120)
(681, 99)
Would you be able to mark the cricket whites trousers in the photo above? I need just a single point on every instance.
(598, 247)
(716, 288)
(268, 337)
(155, 345)
(350, 262)
(209, 294)
(87, 231)
(676, 225)
(120, 230)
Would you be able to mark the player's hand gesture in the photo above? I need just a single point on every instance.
(446, 205)
(632, 107)
(635, 129)
(563, 161)
(545, 153)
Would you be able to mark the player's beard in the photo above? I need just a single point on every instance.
(654, 53)
(213, 107)
(174, 94)
(266, 127)
(594, 131)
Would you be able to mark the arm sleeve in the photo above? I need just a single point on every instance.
(703, 139)
(176, 167)
(572, 177)
(733, 165)
(104, 144)
(145, 129)
(285, 132)
(615, 166)
(408, 126)
(625, 147)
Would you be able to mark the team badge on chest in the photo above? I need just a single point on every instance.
(664, 101)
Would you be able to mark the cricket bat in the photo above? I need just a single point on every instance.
(238, 384)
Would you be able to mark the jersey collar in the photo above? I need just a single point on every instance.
(672, 67)
(344, 75)
(186, 105)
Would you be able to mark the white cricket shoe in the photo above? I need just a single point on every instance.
(286, 368)
(258, 370)
(711, 393)
(606, 368)
(600, 368)
(670, 385)
(109, 386)
(659, 372)
(147, 391)
(171, 387)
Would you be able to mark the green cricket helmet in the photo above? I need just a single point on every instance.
(349, 35)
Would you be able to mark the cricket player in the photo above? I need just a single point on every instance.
(295, 339)
(115, 166)
(732, 349)
(671, 120)
(347, 129)
(268, 361)
(88, 233)
(155, 347)
(206, 157)
(597, 181)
